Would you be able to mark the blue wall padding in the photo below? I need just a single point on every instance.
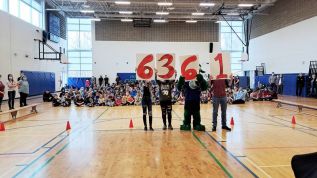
(77, 82)
(127, 76)
(289, 83)
(40, 82)
(244, 81)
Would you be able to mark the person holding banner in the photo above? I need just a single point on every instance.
(165, 92)
(219, 98)
(192, 90)
(147, 104)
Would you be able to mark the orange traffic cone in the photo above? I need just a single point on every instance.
(2, 128)
(293, 120)
(232, 121)
(68, 126)
(131, 124)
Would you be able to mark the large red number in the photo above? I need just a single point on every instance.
(189, 74)
(221, 74)
(143, 71)
(171, 70)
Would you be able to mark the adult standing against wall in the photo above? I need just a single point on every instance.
(118, 79)
(299, 84)
(11, 84)
(272, 82)
(106, 79)
(313, 85)
(100, 80)
(279, 83)
(24, 90)
(2, 87)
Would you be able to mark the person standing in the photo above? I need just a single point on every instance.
(11, 84)
(100, 81)
(219, 97)
(279, 83)
(165, 92)
(24, 90)
(106, 79)
(313, 85)
(272, 82)
(2, 87)
(299, 84)
(21, 76)
(118, 79)
(147, 104)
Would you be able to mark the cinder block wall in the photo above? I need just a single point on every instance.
(283, 14)
(168, 32)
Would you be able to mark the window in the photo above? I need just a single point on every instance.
(27, 10)
(79, 47)
(4, 5)
(14, 7)
(230, 42)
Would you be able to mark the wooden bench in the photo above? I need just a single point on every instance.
(299, 105)
(14, 112)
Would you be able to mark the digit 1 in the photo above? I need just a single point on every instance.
(219, 59)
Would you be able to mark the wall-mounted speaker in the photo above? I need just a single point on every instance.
(211, 47)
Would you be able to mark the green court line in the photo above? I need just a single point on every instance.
(213, 156)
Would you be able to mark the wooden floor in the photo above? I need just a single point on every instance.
(100, 143)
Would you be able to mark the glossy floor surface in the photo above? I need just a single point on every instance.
(100, 143)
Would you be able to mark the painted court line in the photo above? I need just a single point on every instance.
(48, 150)
(213, 156)
(256, 166)
(234, 157)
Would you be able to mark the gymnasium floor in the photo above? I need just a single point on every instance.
(100, 144)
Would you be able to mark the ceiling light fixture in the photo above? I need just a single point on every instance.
(125, 12)
(126, 20)
(164, 3)
(87, 11)
(122, 2)
(198, 13)
(191, 21)
(159, 20)
(95, 19)
(245, 5)
(207, 4)
(162, 13)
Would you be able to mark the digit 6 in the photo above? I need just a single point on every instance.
(142, 68)
(189, 74)
(171, 70)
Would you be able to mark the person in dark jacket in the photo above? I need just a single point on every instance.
(100, 81)
(299, 84)
(106, 80)
(47, 96)
(2, 87)
(147, 104)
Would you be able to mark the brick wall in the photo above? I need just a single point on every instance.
(169, 32)
(283, 14)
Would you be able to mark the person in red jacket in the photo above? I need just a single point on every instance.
(219, 97)
(2, 87)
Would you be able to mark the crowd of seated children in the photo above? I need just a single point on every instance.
(129, 93)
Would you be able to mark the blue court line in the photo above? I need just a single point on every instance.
(296, 123)
(15, 128)
(48, 150)
(233, 156)
(264, 118)
(36, 150)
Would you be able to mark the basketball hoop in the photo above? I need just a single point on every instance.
(64, 59)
